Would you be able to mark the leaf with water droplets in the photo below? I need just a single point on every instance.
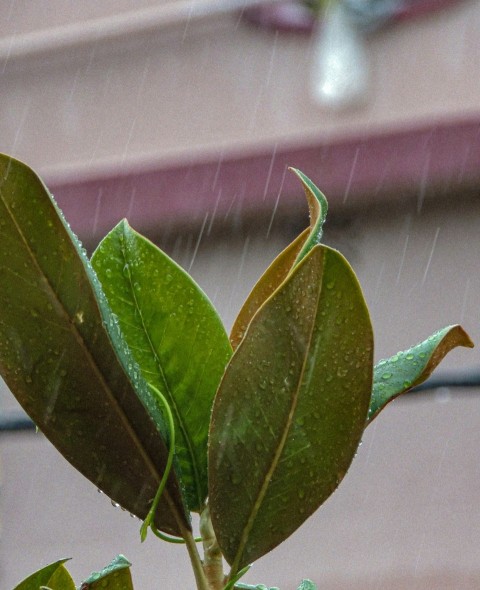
(45, 576)
(176, 337)
(409, 368)
(291, 407)
(63, 356)
(116, 576)
(283, 264)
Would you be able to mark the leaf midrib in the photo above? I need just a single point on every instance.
(168, 390)
(286, 430)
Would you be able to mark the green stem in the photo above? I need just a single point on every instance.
(197, 566)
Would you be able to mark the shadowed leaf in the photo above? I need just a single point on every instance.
(41, 577)
(63, 357)
(409, 368)
(283, 264)
(116, 576)
(291, 408)
(175, 336)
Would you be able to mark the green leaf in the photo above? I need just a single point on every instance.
(409, 368)
(307, 585)
(116, 576)
(61, 580)
(318, 207)
(63, 357)
(280, 268)
(41, 577)
(175, 336)
(291, 408)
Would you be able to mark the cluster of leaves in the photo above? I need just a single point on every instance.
(124, 364)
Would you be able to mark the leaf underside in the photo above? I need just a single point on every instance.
(280, 268)
(407, 369)
(291, 407)
(63, 357)
(175, 336)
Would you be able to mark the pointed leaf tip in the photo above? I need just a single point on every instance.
(407, 369)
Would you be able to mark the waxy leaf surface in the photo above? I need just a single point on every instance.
(291, 408)
(175, 336)
(409, 368)
(62, 355)
(283, 264)
(116, 576)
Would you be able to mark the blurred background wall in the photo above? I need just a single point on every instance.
(183, 116)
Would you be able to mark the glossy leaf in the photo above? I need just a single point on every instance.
(291, 408)
(175, 336)
(409, 368)
(63, 357)
(307, 585)
(41, 577)
(116, 576)
(280, 268)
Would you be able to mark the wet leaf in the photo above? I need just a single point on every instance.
(409, 368)
(116, 576)
(175, 336)
(278, 271)
(63, 357)
(41, 577)
(291, 408)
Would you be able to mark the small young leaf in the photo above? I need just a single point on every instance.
(116, 576)
(409, 368)
(41, 577)
(280, 268)
(63, 356)
(175, 336)
(291, 408)
(307, 585)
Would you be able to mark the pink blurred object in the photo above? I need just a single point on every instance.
(294, 17)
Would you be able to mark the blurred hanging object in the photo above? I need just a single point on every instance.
(340, 68)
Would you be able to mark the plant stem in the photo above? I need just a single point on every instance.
(197, 566)
(213, 563)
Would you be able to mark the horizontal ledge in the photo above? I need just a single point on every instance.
(352, 171)
(115, 27)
